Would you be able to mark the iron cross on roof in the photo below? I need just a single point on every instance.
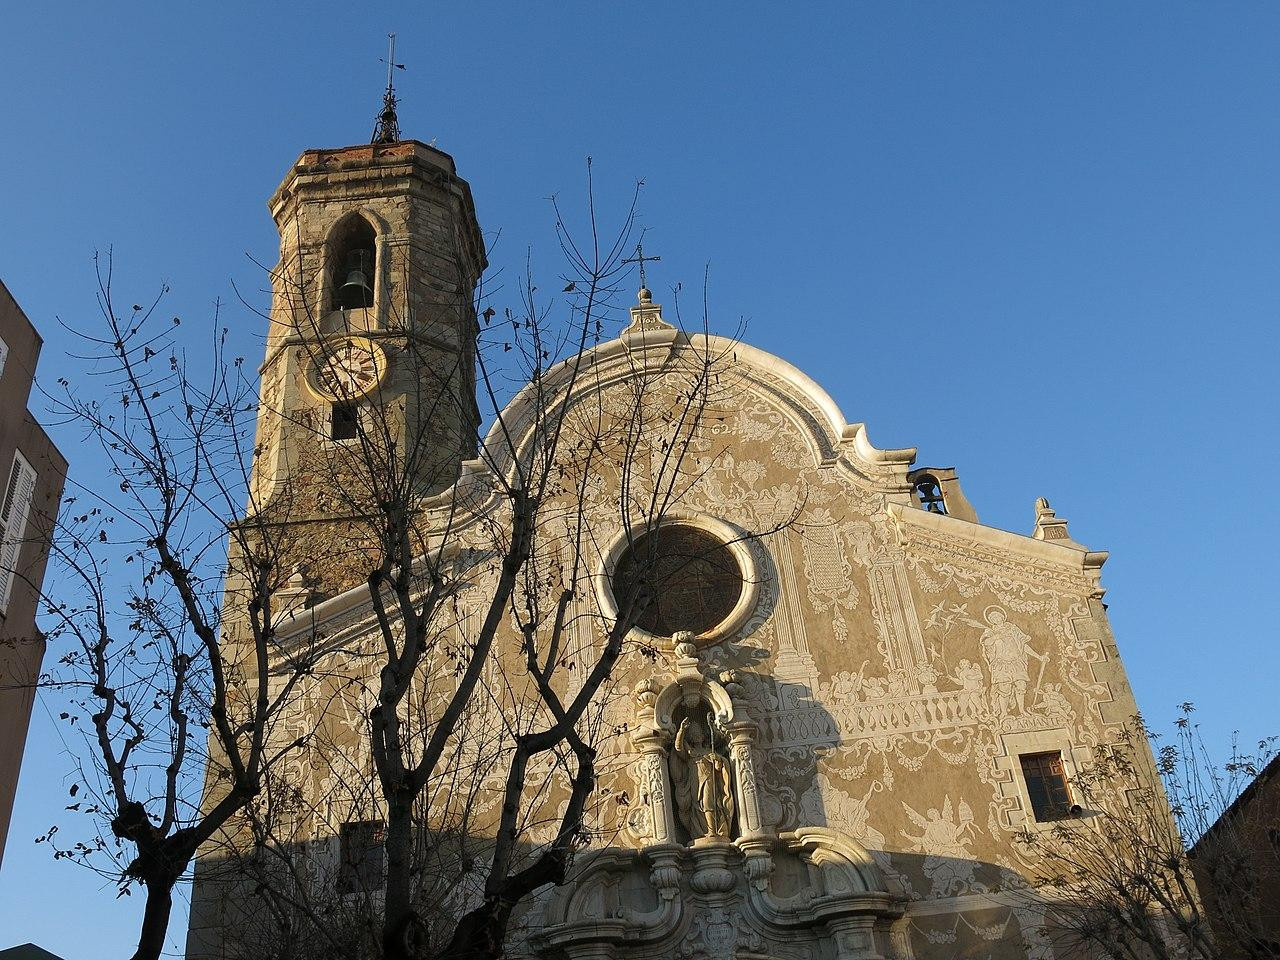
(640, 258)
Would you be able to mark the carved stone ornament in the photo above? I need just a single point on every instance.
(705, 879)
(703, 785)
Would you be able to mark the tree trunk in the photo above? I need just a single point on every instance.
(155, 920)
(480, 934)
(400, 921)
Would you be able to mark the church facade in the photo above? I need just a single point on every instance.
(847, 711)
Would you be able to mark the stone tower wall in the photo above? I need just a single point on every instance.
(422, 415)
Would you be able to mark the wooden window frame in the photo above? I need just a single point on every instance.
(1014, 746)
(1050, 800)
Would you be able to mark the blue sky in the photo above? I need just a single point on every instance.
(1036, 240)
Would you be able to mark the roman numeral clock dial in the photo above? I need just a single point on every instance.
(348, 370)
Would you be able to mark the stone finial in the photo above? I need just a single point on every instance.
(297, 593)
(647, 329)
(688, 668)
(1049, 526)
(732, 684)
(646, 691)
(646, 321)
(686, 649)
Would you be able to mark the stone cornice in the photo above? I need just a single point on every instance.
(611, 362)
(1016, 554)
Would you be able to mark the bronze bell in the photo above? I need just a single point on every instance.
(357, 290)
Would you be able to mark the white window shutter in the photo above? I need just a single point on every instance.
(4, 355)
(13, 523)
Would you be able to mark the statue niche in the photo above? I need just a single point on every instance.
(704, 877)
(702, 778)
(694, 761)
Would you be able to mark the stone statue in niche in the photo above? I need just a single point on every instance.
(701, 781)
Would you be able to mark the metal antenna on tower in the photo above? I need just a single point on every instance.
(386, 128)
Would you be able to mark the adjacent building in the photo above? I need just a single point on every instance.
(33, 472)
(1237, 870)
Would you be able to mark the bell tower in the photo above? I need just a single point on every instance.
(371, 348)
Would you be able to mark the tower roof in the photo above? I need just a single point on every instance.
(351, 175)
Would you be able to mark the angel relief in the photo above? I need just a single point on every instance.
(944, 840)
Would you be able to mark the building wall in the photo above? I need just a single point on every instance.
(882, 673)
(21, 644)
(877, 664)
(893, 664)
(1237, 869)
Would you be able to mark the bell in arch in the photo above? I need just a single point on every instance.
(357, 289)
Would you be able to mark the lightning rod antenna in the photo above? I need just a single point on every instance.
(386, 128)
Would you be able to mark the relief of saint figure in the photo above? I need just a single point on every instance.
(701, 782)
(1006, 649)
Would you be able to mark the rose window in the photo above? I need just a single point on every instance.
(684, 577)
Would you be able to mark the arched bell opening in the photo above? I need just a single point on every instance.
(353, 264)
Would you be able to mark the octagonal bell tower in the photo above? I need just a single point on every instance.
(371, 346)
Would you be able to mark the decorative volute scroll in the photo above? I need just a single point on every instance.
(709, 881)
(847, 892)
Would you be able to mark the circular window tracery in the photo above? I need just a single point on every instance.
(691, 578)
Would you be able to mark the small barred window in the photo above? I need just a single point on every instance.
(344, 422)
(360, 866)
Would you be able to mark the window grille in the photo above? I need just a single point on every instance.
(692, 580)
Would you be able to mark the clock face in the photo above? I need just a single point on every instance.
(348, 370)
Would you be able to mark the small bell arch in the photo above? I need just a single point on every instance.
(353, 264)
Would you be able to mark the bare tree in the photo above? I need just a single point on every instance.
(476, 701)
(401, 790)
(135, 606)
(1121, 880)
(1232, 810)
